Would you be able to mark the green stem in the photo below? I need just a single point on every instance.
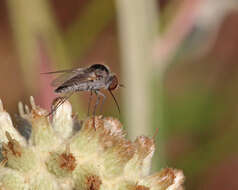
(137, 28)
(32, 21)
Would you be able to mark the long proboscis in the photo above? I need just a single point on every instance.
(115, 100)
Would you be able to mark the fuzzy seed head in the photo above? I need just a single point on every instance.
(54, 156)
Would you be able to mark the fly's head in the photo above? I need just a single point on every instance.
(112, 82)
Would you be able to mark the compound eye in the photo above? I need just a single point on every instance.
(114, 83)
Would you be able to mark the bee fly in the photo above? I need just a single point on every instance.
(92, 79)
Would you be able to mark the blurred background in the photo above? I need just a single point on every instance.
(176, 58)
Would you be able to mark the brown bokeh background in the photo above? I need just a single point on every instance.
(200, 83)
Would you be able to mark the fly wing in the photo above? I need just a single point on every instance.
(67, 75)
(79, 78)
(85, 75)
(62, 78)
(79, 75)
(60, 71)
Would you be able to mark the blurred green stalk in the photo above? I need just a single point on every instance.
(138, 22)
(31, 21)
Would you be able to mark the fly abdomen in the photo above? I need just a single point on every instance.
(73, 88)
(63, 89)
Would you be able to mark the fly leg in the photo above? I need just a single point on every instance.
(103, 100)
(97, 102)
(59, 103)
(95, 107)
(90, 100)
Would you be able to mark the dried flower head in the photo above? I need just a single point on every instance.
(55, 156)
